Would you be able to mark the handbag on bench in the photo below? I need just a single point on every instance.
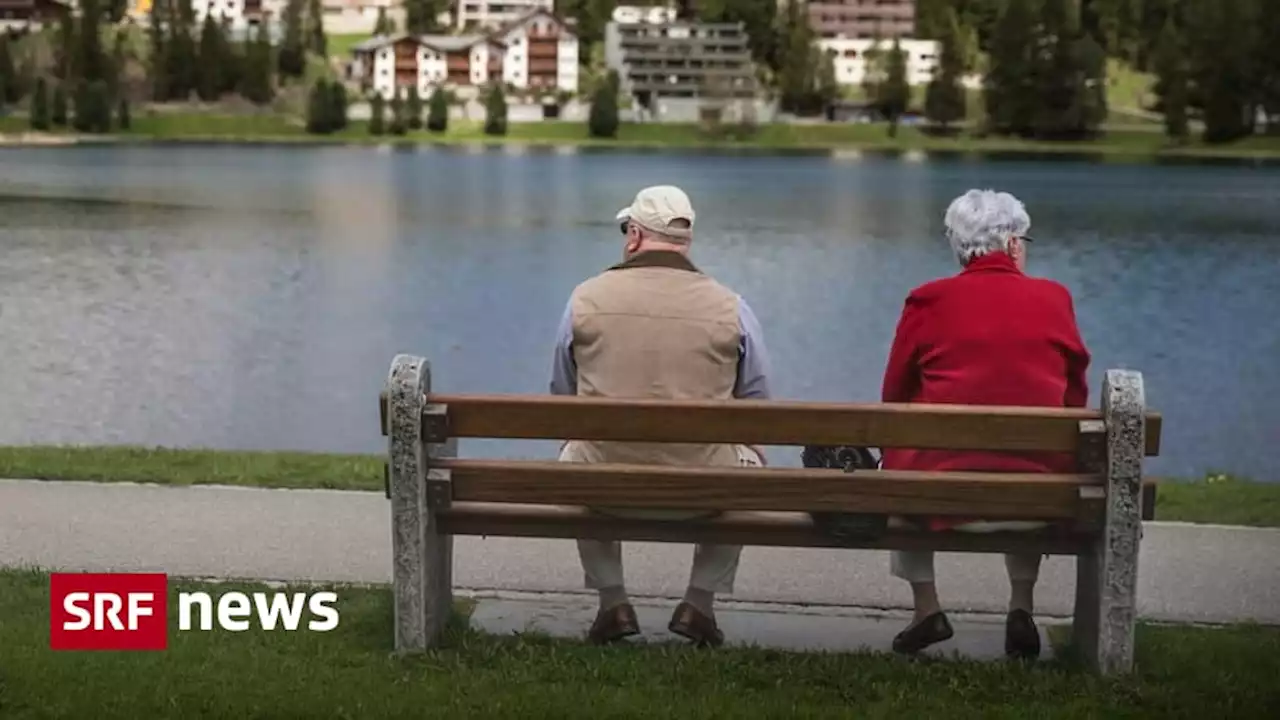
(845, 527)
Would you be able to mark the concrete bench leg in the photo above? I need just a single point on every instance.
(1107, 576)
(422, 559)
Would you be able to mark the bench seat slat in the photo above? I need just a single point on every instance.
(988, 495)
(781, 529)
(760, 422)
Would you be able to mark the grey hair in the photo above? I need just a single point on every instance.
(981, 222)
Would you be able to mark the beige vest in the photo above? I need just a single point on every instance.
(656, 327)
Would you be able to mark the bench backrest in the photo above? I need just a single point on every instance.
(1076, 496)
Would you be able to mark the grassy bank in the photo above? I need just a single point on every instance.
(1215, 499)
(351, 673)
(211, 127)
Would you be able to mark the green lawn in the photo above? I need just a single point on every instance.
(339, 46)
(1192, 673)
(1216, 499)
(221, 126)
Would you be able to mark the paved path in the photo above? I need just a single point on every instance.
(1188, 573)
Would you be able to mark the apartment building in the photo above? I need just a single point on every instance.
(495, 14)
(536, 52)
(851, 58)
(237, 14)
(354, 17)
(673, 70)
(863, 19)
(23, 15)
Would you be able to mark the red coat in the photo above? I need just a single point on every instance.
(987, 336)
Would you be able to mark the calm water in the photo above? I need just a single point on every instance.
(254, 297)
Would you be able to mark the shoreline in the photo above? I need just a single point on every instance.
(679, 141)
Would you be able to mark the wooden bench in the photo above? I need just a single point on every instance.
(434, 495)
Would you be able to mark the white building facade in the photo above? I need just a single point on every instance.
(541, 53)
(850, 58)
(493, 14)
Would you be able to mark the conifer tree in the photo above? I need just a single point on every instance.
(438, 111)
(945, 100)
(40, 119)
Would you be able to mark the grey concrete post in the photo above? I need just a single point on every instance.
(407, 385)
(1107, 577)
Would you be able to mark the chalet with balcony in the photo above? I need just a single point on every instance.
(390, 66)
(22, 15)
(538, 51)
(541, 53)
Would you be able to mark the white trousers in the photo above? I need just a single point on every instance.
(916, 566)
(714, 566)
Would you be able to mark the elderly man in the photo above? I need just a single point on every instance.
(654, 326)
(987, 336)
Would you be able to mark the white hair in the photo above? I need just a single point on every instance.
(982, 221)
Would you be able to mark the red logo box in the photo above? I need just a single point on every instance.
(108, 611)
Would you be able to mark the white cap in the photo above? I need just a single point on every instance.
(655, 208)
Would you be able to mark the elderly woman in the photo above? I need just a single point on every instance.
(989, 335)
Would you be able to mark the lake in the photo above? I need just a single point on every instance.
(253, 297)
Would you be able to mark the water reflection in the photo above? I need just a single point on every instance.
(253, 298)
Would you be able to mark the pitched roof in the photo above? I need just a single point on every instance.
(453, 43)
(442, 43)
(562, 22)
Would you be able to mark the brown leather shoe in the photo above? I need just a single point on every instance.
(614, 624)
(689, 622)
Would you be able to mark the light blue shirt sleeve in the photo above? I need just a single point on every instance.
(753, 361)
(564, 371)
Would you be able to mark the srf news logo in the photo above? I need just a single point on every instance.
(129, 611)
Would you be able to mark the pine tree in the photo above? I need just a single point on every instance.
(123, 118)
(895, 94)
(338, 105)
(420, 16)
(319, 121)
(1223, 70)
(209, 70)
(438, 111)
(397, 126)
(118, 66)
(40, 106)
(377, 115)
(384, 25)
(602, 122)
(797, 70)
(159, 74)
(59, 113)
(413, 109)
(495, 111)
(316, 41)
(291, 59)
(256, 83)
(1010, 86)
(182, 61)
(1092, 78)
(8, 73)
(233, 59)
(1059, 87)
(944, 100)
(1171, 83)
(90, 61)
(92, 107)
(1268, 68)
(66, 48)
